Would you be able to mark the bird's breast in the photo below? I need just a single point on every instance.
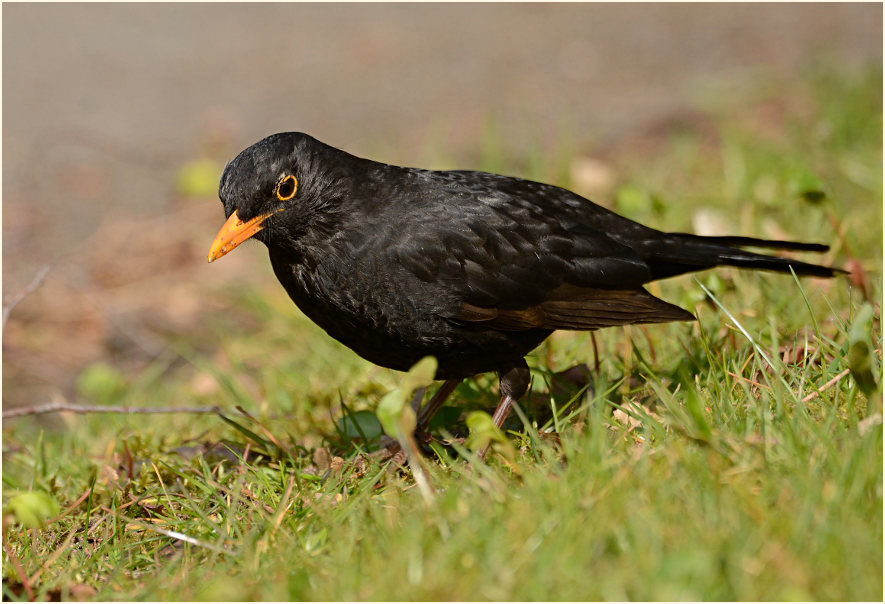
(373, 309)
(392, 318)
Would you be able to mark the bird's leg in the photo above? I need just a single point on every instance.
(389, 446)
(416, 399)
(514, 382)
(435, 403)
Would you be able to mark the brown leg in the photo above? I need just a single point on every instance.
(435, 403)
(502, 410)
(514, 382)
(416, 399)
(389, 446)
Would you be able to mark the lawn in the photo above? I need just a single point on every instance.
(735, 458)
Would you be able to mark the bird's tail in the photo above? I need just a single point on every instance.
(678, 253)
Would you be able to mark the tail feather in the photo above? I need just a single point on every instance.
(774, 244)
(679, 253)
(775, 263)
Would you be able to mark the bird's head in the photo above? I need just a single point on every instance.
(267, 190)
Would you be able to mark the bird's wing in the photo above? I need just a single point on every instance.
(513, 255)
(580, 309)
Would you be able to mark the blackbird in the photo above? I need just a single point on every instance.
(475, 269)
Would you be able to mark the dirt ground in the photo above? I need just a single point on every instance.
(103, 104)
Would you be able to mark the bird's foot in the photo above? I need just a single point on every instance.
(390, 450)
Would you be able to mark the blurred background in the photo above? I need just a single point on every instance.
(117, 120)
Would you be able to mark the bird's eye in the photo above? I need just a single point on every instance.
(286, 188)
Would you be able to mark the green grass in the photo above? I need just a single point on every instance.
(728, 459)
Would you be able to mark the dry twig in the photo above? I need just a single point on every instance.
(74, 408)
(35, 283)
(820, 390)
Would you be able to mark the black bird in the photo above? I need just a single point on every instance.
(473, 268)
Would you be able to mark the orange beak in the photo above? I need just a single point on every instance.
(233, 233)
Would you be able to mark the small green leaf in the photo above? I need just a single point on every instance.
(389, 409)
(420, 375)
(360, 424)
(396, 417)
(859, 357)
(862, 325)
(483, 430)
(32, 509)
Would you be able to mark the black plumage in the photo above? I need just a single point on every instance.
(473, 268)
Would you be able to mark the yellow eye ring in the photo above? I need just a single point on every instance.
(286, 188)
